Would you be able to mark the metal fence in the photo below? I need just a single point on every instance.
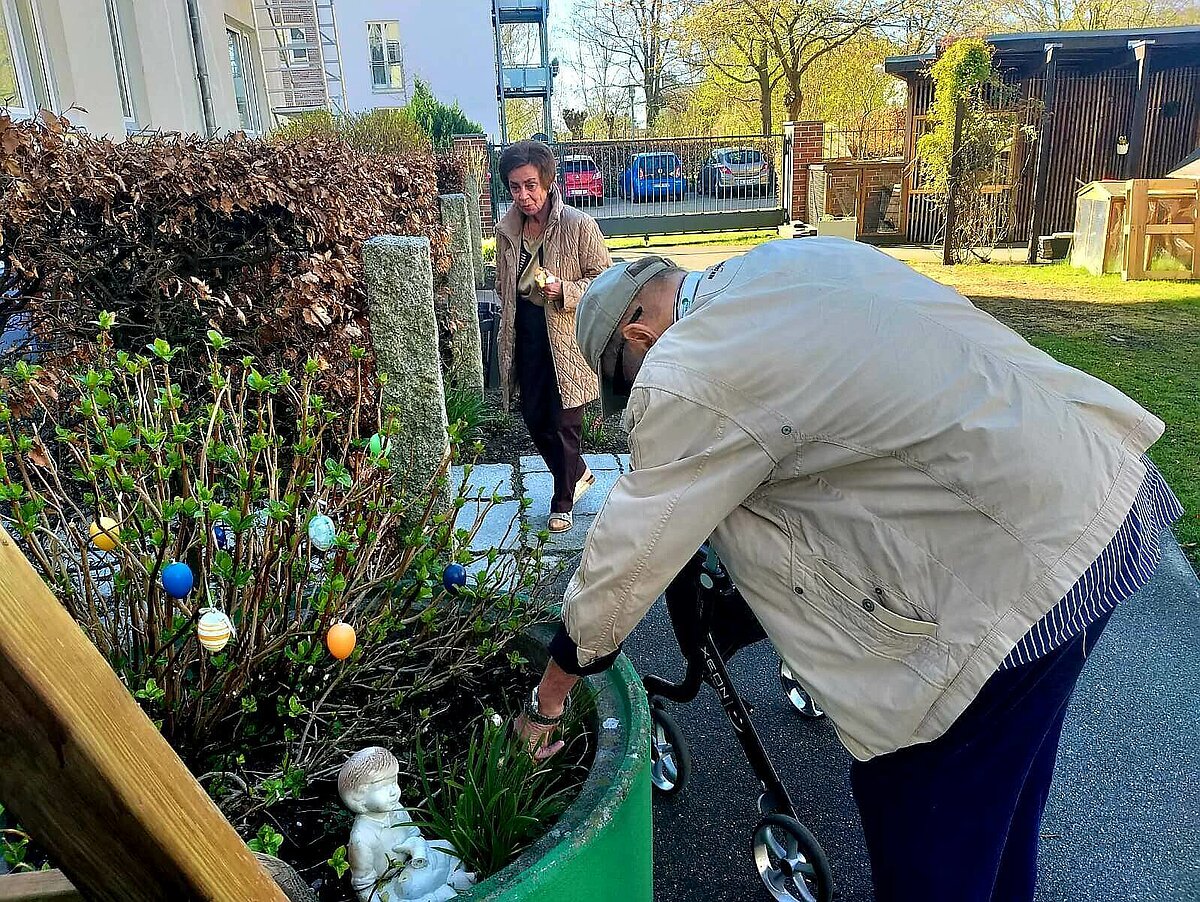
(668, 185)
(864, 143)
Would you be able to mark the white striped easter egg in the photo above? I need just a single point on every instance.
(214, 629)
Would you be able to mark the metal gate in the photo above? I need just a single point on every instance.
(665, 186)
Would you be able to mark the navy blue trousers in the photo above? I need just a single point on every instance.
(958, 819)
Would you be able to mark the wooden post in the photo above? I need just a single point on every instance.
(1042, 177)
(87, 773)
(1136, 202)
(1131, 167)
(960, 112)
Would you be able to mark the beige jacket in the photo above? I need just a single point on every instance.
(574, 251)
(900, 485)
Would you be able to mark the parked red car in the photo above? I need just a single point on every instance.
(581, 179)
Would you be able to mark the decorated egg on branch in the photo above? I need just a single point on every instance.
(321, 532)
(214, 629)
(341, 640)
(454, 577)
(177, 579)
(105, 534)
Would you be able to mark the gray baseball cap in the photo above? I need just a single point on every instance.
(600, 311)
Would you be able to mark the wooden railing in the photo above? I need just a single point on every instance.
(88, 775)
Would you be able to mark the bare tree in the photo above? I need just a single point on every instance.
(643, 39)
(799, 33)
(595, 68)
(1093, 14)
(727, 39)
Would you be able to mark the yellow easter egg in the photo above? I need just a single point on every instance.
(341, 640)
(105, 535)
(214, 629)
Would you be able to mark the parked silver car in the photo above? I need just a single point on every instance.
(735, 169)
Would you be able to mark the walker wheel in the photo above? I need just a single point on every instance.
(670, 757)
(797, 694)
(790, 861)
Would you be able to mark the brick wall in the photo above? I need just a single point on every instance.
(478, 144)
(808, 139)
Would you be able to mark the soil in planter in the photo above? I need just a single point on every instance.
(315, 826)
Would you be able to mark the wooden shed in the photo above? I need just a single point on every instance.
(1119, 105)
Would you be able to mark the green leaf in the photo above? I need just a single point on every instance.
(338, 862)
(161, 349)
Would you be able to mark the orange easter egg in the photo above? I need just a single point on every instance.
(341, 640)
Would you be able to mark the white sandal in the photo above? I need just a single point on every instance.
(563, 517)
(586, 481)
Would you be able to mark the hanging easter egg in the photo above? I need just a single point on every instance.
(380, 446)
(105, 535)
(214, 629)
(321, 532)
(341, 640)
(454, 576)
(177, 579)
(223, 537)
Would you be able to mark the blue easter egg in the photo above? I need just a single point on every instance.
(177, 579)
(223, 537)
(454, 576)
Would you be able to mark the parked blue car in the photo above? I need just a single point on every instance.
(653, 175)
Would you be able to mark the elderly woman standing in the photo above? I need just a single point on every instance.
(546, 256)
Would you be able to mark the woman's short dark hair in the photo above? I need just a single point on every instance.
(528, 153)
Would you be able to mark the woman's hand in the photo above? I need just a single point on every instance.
(552, 290)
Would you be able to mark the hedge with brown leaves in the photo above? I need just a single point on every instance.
(176, 235)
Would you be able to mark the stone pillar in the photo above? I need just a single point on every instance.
(399, 279)
(466, 356)
(472, 189)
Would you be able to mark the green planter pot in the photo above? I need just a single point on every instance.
(601, 848)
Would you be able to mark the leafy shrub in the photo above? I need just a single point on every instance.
(489, 250)
(214, 479)
(380, 131)
(995, 120)
(260, 240)
(470, 410)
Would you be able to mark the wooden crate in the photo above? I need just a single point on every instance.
(1162, 229)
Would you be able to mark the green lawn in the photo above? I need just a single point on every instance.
(1142, 337)
(747, 239)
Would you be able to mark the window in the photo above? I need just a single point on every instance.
(122, 64)
(245, 85)
(387, 72)
(296, 37)
(24, 73)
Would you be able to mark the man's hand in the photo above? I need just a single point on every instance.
(537, 739)
(553, 690)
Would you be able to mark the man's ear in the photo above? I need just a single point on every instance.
(639, 334)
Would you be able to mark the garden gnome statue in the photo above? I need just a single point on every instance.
(389, 859)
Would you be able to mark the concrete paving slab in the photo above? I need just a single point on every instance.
(539, 487)
(485, 479)
(535, 464)
(498, 529)
(561, 543)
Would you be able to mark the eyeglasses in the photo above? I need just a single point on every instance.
(622, 386)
